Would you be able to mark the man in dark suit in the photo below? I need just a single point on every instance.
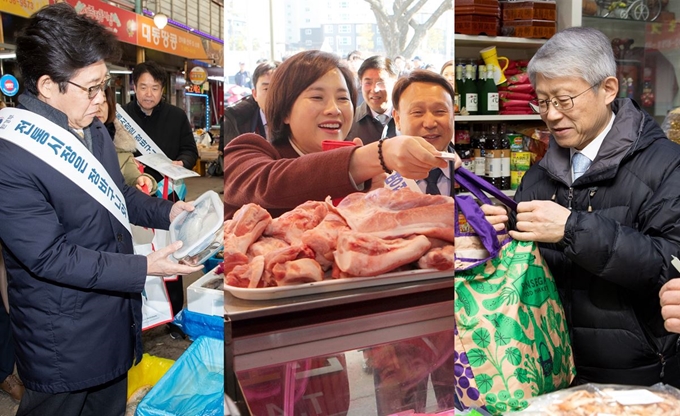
(247, 116)
(373, 117)
(423, 106)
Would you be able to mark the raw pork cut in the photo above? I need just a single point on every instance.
(440, 258)
(247, 225)
(361, 254)
(265, 245)
(389, 214)
(290, 226)
(322, 239)
(247, 275)
(297, 272)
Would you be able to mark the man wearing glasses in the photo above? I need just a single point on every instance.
(74, 283)
(604, 206)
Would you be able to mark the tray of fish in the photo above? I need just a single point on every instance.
(201, 230)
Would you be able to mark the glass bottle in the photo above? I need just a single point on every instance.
(505, 157)
(492, 157)
(478, 143)
(488, 93)
(468, 92)
(459, 83)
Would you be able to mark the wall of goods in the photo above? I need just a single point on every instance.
(506, 34)
(498, 135)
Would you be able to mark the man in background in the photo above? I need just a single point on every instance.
(168, 126)
(247, 116)
(242, 77)
(373, 117)
(423, 106)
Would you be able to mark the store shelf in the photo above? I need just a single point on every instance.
(500, 119)
(498, 41)
(625, 24)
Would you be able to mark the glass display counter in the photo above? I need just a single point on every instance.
(369, 351)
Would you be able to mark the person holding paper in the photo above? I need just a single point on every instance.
(291, 169)
(74, 283)
(604, 206)
(167, 125)
(125, 146)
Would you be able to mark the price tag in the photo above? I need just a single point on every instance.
(634, 397)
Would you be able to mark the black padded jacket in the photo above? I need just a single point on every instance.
(616, 250)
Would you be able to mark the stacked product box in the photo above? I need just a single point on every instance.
(477, 17)
(528, 19)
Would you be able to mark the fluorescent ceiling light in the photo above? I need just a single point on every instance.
(120, 71)
(216, 78)
(11, 55)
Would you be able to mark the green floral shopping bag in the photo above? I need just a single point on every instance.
(512, 341)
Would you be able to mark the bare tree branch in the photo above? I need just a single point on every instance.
(394, 28)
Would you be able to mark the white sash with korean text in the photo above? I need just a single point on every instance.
(145, 145)
(60, 149)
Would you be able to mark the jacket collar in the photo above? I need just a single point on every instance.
(362, 112)
(157, 109)
(31, 103)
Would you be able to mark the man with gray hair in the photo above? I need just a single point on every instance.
(604, 206)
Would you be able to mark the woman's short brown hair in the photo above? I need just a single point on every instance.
(111, 101)
(294, 76)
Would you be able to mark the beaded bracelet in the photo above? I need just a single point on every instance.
(380, 157)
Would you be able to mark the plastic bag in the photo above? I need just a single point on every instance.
(147, 372)
(607, 399)
(193, 386)
(196, 325)
(671, 125)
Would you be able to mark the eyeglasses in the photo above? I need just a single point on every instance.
(560, 103)
(370, 84)
(94, 90)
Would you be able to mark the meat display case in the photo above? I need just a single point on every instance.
(371, 350)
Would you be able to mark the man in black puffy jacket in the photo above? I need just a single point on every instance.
(604, 206)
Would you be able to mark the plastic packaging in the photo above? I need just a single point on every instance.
(201, 230)
(193, 386)
(606, 399)
(196, 324)
(147, 372)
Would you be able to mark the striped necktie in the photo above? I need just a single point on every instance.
(382, 118)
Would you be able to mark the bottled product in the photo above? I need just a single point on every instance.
(463, 148)
(468, 92)
(492, 157)
(488, 91)
(459, 82)
(505, 157)
(478, 143)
